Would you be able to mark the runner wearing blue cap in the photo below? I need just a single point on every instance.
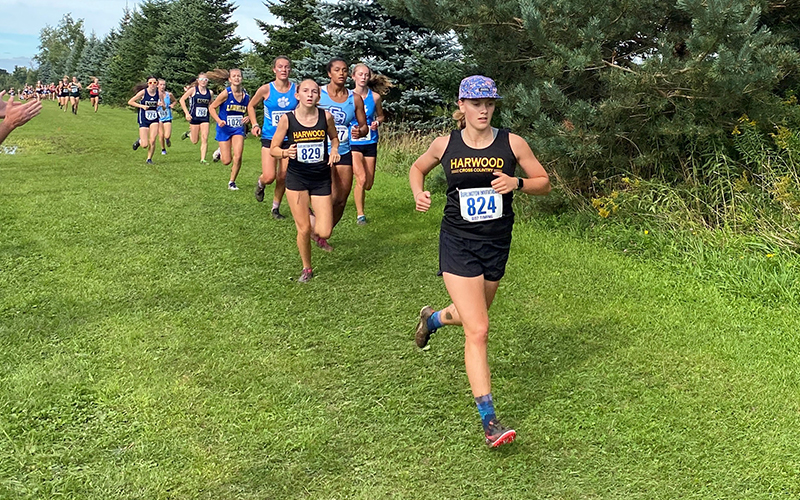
(479, 163)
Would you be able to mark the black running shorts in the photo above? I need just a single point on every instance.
(267, 143)
(368, 150)
(470, 258)
(316, 185)
(346, 159)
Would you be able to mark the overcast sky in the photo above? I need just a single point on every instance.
(21, 21)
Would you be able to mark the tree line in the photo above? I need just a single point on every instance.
(177, 39)
(599, 88)
(651, 87)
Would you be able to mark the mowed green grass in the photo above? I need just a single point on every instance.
(154, 344)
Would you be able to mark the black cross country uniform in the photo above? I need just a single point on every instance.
(199, 106)
(475, 235)
(310, 170)
(150, 115)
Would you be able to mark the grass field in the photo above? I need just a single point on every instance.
(154, 344)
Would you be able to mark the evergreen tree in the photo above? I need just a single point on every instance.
(46, 74)
(91, 61)
(106, 52)
(422, 64)
(299, 27)
(204, 39)
(5, 79)
(127, 64)
(75, 53)
(604, 86)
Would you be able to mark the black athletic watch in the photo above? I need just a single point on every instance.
(519, 183)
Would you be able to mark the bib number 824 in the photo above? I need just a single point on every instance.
(480, 204)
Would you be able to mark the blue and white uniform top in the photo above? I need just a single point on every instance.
(199, 105)
(149, 115)
(275, 106)
(343, 114)
(372, 135)
(165, 112)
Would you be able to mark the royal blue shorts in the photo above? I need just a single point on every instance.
(225, 133)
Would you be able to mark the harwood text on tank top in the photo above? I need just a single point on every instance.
(475, 165)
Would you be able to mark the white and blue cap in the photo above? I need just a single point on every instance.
(478, 87)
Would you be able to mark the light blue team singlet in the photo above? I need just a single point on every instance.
(343, 114)
(275, 106)
(165, 113)
(372, 135)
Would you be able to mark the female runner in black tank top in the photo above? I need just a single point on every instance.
(479, 163)
(146, 100)
(196, 113)
(308, 177)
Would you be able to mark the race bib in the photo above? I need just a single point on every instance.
(343, 132)
(366, 138)
(480, 204)
(163, 114)
(234, 121)
(201, 112)
(276, 116)
(310, 152)
(150, 115)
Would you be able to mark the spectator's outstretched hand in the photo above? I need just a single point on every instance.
(15, 114)
(3, 104)
(18, 114)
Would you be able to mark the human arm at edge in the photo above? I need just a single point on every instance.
(280, 132)
(537, 182)
(212, 108)
(421, 168)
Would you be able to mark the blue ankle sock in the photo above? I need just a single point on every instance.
(434, 323)
(486, 409)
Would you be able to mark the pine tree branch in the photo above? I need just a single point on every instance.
(617, 66)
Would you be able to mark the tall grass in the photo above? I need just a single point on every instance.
(733, 217)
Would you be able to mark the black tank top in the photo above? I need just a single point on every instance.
(312, 146)
(150, 114)
(473, 209)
